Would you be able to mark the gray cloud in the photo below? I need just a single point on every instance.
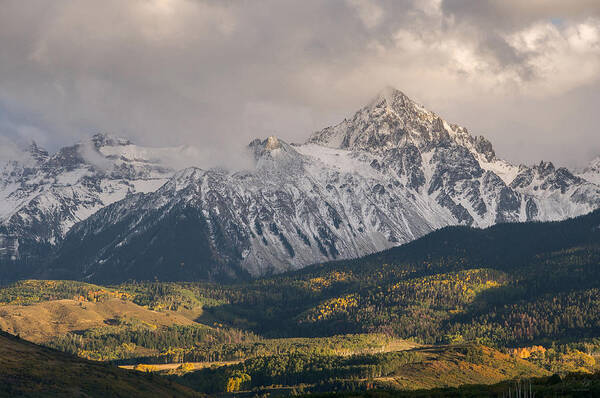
(216, 74)
(515, 14)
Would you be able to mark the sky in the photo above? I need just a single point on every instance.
(216, 74)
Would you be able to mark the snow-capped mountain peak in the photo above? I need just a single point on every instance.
(271, 146)
(396, 101)
(393, 120)
(384, 123)
(272, 143)
(40, 201)
(274, 156)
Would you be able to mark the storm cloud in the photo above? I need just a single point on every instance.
(216, 74)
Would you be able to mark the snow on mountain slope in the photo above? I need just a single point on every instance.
(555, 193)
(41, 199)
(294, 209)
(470, 180)
(390, 174)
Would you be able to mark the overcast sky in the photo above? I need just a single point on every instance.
(215, 74)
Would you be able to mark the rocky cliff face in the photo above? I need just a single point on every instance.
(391, 173)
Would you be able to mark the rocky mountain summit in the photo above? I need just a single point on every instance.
(393, 172)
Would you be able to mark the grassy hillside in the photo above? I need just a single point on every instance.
(42, 321)
(29, 370)
(158, 330)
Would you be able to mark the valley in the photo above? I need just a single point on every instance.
(392, 252)
(319, 199)
(445, 310)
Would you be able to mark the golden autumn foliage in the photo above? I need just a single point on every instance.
(526, 352)
(187, 367)
(101, 295)
(34, 291)
(334, 306)
(321, 282)
(464, 283)
(145, 368)
(237, 382)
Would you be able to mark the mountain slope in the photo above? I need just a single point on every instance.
(419, 368)
(42, 321)
(284, 215)
(43, 196)
(29, 370)
(461, 172)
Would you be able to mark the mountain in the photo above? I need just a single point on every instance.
(29, 370)
(390, 174)
(43, 196)
(457, 170)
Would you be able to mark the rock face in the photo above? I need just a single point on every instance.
(390, 174)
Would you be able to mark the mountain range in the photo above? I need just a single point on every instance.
(108, 210)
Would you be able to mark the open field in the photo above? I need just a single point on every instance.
(190, 366)
(41, 321)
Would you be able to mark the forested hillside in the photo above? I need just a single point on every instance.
(420, 368)
(531, 290)
(28, 370)
(511, 284)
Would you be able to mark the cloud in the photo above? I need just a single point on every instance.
(215, 74)
(555, 53)
(513, 14)
(368, 11)
(90, 154)
(232, 157)
(11, 152)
